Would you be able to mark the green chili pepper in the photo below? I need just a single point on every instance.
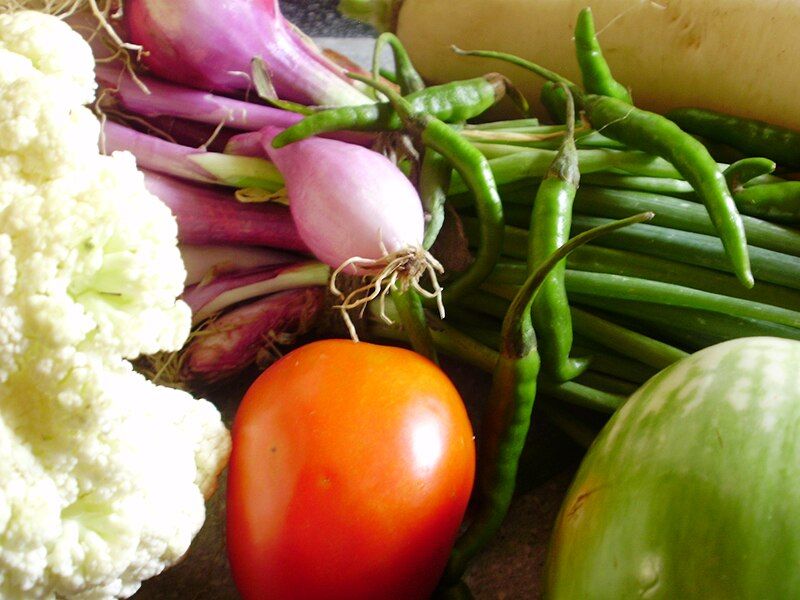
(653, 133)
(774, 201)
(453, 102)
(597, 77)
(508, 410)
(434, 179)
(753, 137)
(406, 75)
(554, 100)
(658, 135)
(746, 169)
(550, 222)
(474, 170)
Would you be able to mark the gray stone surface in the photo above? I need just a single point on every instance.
(319, 17)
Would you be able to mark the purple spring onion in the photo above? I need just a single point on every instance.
(246, 144)
(208, 216)
(357, 212)
(187, 133)
(164, 99)
(250, 333)
(195, 164)
(210, 44)
(209, 298)
(205, 262)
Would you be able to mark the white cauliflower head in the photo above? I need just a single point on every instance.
(104, 473)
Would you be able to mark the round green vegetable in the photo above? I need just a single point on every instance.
(691, 490)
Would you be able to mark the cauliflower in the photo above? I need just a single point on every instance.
(104, 474)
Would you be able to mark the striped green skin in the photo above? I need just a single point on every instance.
(691, 490)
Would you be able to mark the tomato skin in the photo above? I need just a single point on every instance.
(351, 469)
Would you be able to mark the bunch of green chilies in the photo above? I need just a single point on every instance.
(607, 318)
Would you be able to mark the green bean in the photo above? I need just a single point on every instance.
(550, 223)
(597, 77)
(448, 340)
(654, 185)
(543, 137)
(657, 135)
(774, 201)
(583, 395)
(597, 259)
(434, 179)
(406, 75)
(692, 248)
(609, 363)
(619, 262)
(614, 337)
(485, 303)
(752, 137)
(659, 293)
(520, 125)
(621, 287)
(670, 213)
(604, 360)
(456, 101)
(474, 169)
(476, 325)
(681, 214)
(603, 382)
(694, 329)
(637, 346)
(524, 163)
(412, 317)
(579, 432)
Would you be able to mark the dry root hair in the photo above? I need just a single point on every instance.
(396, 270)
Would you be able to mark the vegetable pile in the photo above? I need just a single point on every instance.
(104, 474)
(574, 258)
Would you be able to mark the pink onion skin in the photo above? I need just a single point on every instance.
(234, 340)
(207, 299)
(347, 201)
(202, 260)
(246, 144)
(153, 152)
(209, 44)
(208, 216)
(168, 99)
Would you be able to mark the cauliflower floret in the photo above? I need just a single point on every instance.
(55, 51)
(103, 484)
(103, 473)
(99, 252)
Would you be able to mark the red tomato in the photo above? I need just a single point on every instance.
(351, 469)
